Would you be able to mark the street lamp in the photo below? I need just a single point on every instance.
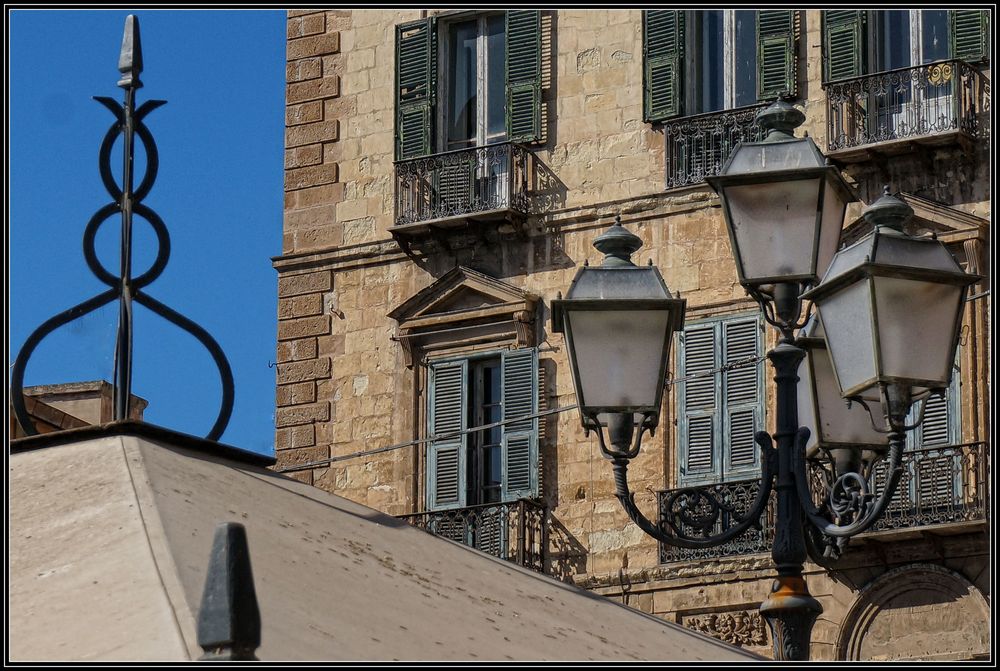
(784, 208)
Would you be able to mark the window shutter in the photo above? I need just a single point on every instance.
(662, 55)
(416, 79)
(775, 54)
(744, 408)
(969, 34)
(524, 75)
(843, 44)
(455, 182)
(520, 439)
(698, 403)
(446, 458)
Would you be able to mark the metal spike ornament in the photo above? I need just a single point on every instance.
(127, 201)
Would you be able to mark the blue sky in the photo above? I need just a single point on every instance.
(218, 190)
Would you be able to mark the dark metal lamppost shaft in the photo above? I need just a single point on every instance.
(790, 610)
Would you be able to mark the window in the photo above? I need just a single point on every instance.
(482, 86)
(857, 43)
(490, 465)
(706, 61)
(719, 411)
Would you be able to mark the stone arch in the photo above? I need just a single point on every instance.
(919, 611)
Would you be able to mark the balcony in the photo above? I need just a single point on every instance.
(698, 146)
(940, 487)
(515, 531)
(941, 103)
(485, 183)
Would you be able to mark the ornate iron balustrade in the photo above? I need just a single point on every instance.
(939, 485)
(698, 146)
(515, 531)
(463, 182)
(739, 495)
(907, 103)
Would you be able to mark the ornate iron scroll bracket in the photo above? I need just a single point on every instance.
(699, 507)
(126, 201)
(850, 499)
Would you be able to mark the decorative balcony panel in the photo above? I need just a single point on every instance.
(480, 182)
(514, 531)
(698, 146)
(932, 103)
(939, 486)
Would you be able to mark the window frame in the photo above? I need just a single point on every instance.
(444, 25)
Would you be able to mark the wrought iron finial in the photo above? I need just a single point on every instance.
(780, 120)
(127, 201)
(130, 60)
(617, 244)
(888, 212)
(229, 618)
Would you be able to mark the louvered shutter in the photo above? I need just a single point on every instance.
(699, 404)
(843, 44)
(969, 35)
(743, 397)
(524, 75)
(662, 58)
(491, 532)
(455, 183)
(937, 475)
(775, 54)
(416, 77)
(520, 439)
(446, 458)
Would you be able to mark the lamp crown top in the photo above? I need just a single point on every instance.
(617, 244)
(780, 120)
(888, 211)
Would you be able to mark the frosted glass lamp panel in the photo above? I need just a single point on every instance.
(774, 226)
(847, 323)
(916, 328)
(831, 227)
(619, 355)
(838, 424)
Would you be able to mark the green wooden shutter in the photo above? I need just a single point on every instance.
(775, 54)
(743, 397)
(455, 182)
(520, 439)
(662, 59)
(416, 79)
(969, 35)
(524, 75)
(698, 402)
(843, 44)
(446, 413)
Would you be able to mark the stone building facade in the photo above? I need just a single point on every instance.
(445, 175)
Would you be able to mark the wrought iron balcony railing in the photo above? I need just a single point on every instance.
(515, 531)
(939, 485)
(698, 146)
(926, 100)
(492, 179)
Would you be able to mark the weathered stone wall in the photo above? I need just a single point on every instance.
(343, 386)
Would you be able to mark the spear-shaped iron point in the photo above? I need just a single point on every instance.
(130, 60)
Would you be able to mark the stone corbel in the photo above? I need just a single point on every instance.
(524, 325)
(404, 339)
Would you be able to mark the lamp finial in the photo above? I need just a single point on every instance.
(888, 211)
(617, 244)
(780, 120)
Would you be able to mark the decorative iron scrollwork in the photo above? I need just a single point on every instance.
(129, 123)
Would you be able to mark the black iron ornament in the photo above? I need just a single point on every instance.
(126, 200)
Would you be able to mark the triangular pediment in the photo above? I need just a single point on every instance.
(460, 290)
(947, 223)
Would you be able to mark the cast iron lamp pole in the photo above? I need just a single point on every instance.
(784, 207)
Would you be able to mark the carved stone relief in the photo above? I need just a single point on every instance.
(738, 627)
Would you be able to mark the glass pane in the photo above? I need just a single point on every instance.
(710, 75)
(619, 354)
(934, 35)
(461, 122)
(775, 227)
(746, 58)
(847, 322)
(496, 99)
(892, 49)
(916, 328)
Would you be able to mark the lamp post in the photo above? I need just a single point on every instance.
(784, 207)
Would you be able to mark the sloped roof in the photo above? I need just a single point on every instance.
(110, 535)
